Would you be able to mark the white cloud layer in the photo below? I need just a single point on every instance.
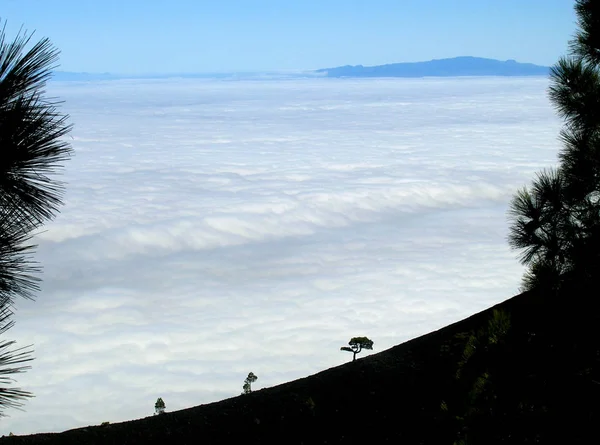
(213, 228)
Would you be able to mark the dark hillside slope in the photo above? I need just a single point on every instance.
(543, 379)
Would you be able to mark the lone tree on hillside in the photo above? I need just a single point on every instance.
(31, 150)
(159, 406)
(555, 223)
(357, 344)
(248, 383)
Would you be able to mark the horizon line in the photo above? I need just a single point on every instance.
(313, 71)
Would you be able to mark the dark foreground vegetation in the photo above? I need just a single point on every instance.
(541, 386)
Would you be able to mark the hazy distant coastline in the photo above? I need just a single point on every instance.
(454, 67)
(66, 76)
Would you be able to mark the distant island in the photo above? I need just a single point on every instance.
(454, 67)
(458, 66)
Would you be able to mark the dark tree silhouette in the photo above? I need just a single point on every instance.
(31, 149)
(357, 344)
(159, 406)
(555, 223)
(248, 383)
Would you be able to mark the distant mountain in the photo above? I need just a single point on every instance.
(457, 66)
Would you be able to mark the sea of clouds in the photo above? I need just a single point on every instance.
(214, 227)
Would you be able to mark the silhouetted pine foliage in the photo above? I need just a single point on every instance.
(31, 151)
(555, 223)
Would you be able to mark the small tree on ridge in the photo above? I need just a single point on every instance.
(357, 344)
(248, 383)
(159, 406)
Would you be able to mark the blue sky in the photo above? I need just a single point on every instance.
(184, 36)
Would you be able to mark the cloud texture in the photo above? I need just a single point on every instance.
(213, 228)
